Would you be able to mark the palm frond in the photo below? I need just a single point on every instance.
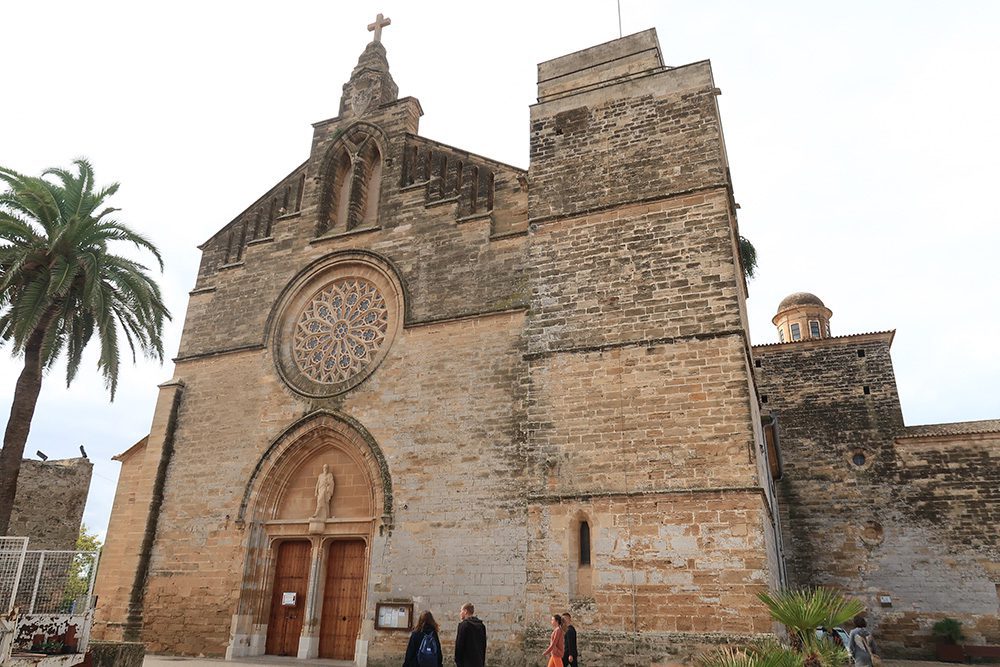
(60, 280)
(805, 610)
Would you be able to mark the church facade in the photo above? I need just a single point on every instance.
(532, 388)
(413, 377)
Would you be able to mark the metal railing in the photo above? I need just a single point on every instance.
(13, 552)
(57, 582)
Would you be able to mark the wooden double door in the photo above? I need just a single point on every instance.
(341, 608)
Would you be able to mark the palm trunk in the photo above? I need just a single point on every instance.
(22, 409)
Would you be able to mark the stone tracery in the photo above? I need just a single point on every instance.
(340, 330)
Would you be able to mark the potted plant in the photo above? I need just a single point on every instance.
(948, 632)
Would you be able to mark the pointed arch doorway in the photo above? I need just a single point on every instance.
(319, 499)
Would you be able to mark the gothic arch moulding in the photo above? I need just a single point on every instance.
(351, 178)
(323, 430)
(334, 323)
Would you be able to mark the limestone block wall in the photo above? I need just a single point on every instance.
(116, 572)
(439, 252)
(48, 507)
(641, 413)
(873, 513)
(458, 517)
(577, 351)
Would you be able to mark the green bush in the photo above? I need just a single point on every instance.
(948, 629)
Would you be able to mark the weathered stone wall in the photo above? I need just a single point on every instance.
(115, 654)
(593, 368)
(50, 499)
(640, 411)
(440, 253)
(458, 513)
(912, 520)
(116, 572)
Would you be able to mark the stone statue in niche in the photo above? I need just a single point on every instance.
(324, 493)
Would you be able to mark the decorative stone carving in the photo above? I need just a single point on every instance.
(335, 322)
(325, 485)
(371, 81)
(340, 330)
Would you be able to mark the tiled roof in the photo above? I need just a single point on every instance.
(954, 428)
(820, 340)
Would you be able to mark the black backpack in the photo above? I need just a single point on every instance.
(427, 654)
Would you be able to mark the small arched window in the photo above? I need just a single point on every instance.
(584, 543)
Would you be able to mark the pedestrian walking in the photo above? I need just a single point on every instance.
(556, 642)
(570, 654)
(470, 642)
(424, 649)
(863, 648)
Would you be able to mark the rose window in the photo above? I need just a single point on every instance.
(340, 330)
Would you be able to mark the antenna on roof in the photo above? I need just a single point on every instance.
(41, 455)
(619, 19)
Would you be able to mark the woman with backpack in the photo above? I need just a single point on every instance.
(424, 649)
(862, 647)
(556, 642)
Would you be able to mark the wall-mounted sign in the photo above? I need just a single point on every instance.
(393, 615)
(288, 599)
(885, 600)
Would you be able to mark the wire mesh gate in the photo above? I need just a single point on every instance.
(56, 582)
(13, 551)
(45, 599)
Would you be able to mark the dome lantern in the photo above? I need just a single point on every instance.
(802, 316)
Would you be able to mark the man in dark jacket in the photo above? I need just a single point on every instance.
(570, 656)
(470, 644)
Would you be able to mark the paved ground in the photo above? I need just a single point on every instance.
(270, 661)
(168, 661)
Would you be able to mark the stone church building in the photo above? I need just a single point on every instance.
(412, 377)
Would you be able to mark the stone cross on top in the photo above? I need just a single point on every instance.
(380, 22)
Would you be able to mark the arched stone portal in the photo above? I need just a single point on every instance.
(317, 501)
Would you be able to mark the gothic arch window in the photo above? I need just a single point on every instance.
(353, 184)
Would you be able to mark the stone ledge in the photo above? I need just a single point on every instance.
(116, 654)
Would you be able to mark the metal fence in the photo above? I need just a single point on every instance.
(56, 582)
(13, 551)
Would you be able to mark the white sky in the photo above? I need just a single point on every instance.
(863, 139)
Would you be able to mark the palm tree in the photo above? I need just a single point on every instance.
(802, 613)
(59, 285)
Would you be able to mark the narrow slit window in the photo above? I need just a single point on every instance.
(861, 353)
(584, 543)
(866, 389)
(756, 362)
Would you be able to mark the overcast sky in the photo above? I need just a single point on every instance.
(863, 139)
